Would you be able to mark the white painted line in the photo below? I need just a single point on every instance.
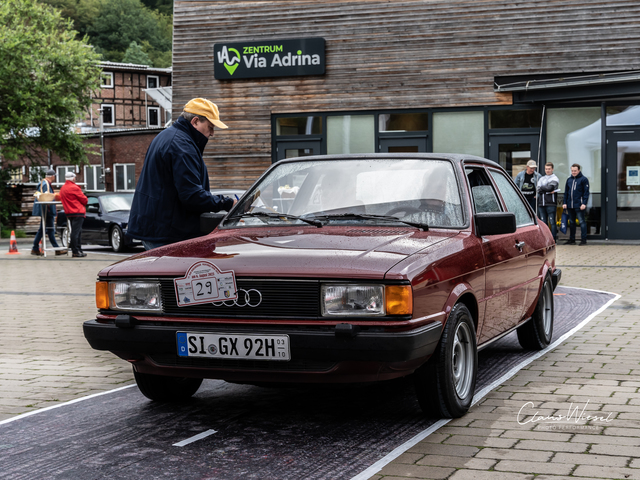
(195, 438)
(376, 467)
(28, 414)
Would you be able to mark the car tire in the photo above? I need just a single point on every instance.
(161, 388)
(64, 237)
(116, 239)
(446, 383)
(536, 333)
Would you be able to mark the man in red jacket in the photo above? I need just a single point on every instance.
(74, 203)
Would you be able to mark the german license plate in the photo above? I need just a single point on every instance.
(236, 346)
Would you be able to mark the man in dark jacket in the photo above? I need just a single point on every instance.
(173, 189)
(49, 212)
(576, 197)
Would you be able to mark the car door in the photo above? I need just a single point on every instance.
(505, 261)
(529, 234)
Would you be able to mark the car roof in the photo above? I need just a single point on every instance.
(453, 157)
(104, 194)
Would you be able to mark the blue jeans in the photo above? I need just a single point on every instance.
(573, 212)
(547, 214)
(51, 232)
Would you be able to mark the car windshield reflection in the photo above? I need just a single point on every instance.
(119, 202)
(370, 191)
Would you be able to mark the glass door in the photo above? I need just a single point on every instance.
(513, 152)
(623, 184)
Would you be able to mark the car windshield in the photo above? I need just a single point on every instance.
(112, 203)
(423, 192)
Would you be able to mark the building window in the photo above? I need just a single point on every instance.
(108, 114)
(351, 134)
(153, 81)
(403, 122)
(530, 118)
(125, 177)
(167, 117)
(106, 79)
(299, 126)
(62, 171)
(153, 117)
(37, 173)
(93, 178)
(459, 132)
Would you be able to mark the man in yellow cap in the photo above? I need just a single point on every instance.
(173, 188)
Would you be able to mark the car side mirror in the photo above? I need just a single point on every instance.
(209, 221)
(495, 223)
(93, 209)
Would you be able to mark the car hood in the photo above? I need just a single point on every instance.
(329, 252)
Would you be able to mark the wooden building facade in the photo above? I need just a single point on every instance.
(544, 80)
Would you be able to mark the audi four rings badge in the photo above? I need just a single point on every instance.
(205, 283)
(246, 298)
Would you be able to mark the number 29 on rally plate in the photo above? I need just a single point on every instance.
(205, 283)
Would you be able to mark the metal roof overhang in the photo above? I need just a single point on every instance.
(571, 86)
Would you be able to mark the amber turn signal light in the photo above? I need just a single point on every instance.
(102, 295)
(398, 299)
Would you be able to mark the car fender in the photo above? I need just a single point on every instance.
(465, 293)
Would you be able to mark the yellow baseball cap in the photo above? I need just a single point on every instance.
(205, 108)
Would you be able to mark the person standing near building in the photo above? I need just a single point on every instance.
(173, 188)
(46, 187)
(576, 197)
(74, 203)
(527, 181)
(548, 198)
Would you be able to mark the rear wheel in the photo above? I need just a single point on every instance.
(536, 333)
(163, 388)
(116, 238)
(446, 383)
(64, 237)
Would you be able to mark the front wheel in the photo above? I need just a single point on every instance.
(446, 383)
(161, 388)
(116, 238)
(536, 333)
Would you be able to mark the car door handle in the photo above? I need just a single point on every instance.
(519, 245)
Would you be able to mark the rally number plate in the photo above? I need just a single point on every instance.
(235, 346)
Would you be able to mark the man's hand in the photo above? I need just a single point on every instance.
(564, 207)
(582, 207)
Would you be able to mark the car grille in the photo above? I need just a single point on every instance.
(257, 298)
(171, 360)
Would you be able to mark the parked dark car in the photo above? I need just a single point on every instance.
(105, 223)
(371, 267)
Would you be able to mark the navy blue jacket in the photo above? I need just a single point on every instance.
(576, 191)
(173, 188)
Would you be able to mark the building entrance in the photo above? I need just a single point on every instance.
(623, 183)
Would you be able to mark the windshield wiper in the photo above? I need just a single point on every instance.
(390, 218)
(315, 223)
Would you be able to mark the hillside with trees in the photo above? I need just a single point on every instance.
(130, 31)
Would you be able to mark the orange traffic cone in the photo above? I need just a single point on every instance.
(13, 245)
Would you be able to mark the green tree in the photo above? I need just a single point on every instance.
(46, 79)
(121, 22)
(135, 54)
(82, 12)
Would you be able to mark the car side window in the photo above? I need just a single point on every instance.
(482, 192)
(93, 205)
(512, 200)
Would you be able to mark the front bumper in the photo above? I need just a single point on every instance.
(146, 344)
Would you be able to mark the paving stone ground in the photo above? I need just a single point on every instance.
(513, 433)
